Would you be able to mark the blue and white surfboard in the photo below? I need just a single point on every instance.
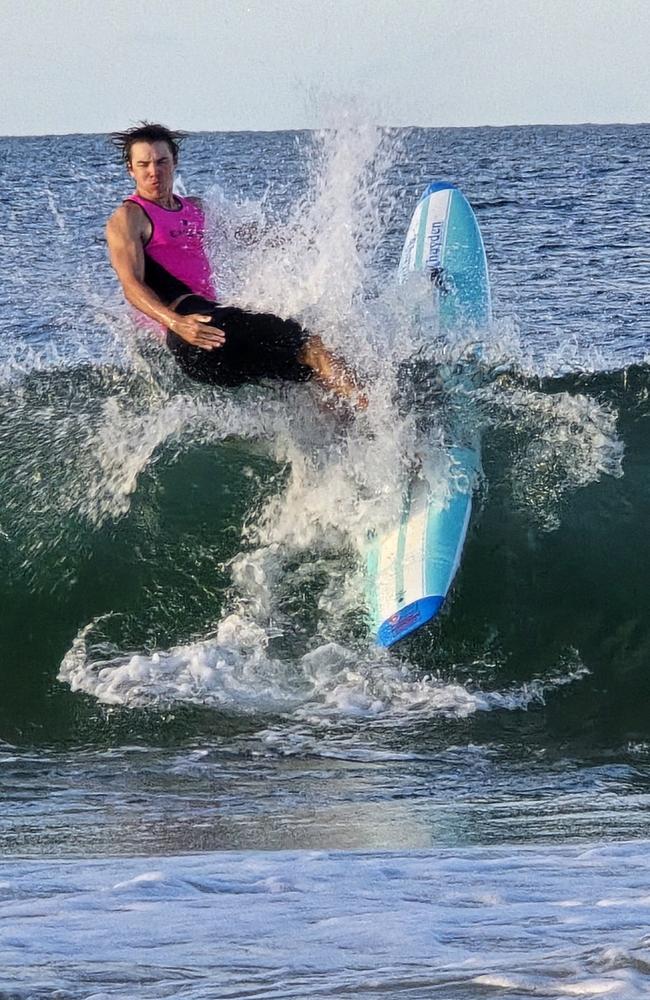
(411, 565)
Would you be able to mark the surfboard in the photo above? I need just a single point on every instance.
(410, 565)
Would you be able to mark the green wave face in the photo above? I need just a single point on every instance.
(554, 570)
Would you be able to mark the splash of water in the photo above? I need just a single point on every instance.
(85, 452)
(234, 671)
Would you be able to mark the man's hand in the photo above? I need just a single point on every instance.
(195, 329)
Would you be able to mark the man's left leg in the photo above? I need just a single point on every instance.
(332, 372)
(263, 345)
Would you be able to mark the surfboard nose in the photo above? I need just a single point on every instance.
(438, 186)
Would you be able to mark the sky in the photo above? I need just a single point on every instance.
(220, 65)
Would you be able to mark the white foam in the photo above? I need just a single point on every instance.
(234, 671)
(448, 922)
(571, 441)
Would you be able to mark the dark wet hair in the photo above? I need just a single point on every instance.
(147, 132)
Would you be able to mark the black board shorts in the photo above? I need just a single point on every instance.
(258, 346)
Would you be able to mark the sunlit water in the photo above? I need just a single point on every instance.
(213, 784)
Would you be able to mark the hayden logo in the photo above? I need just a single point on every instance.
(435, 242)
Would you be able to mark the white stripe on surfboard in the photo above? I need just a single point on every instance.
(387, 574)
(414, 548)
(407, 574)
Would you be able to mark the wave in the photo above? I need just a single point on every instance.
(203, 546)
(167, 544)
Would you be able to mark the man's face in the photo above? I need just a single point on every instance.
(152, 168)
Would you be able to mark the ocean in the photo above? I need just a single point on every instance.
(213, 784)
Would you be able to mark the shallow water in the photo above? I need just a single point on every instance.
(459, 924)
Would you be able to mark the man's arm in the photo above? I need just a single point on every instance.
(125, 237)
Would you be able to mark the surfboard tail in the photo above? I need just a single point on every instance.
(408, 620)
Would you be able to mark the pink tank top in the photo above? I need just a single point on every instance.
(176, 242)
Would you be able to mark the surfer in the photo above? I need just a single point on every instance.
(155, 243)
